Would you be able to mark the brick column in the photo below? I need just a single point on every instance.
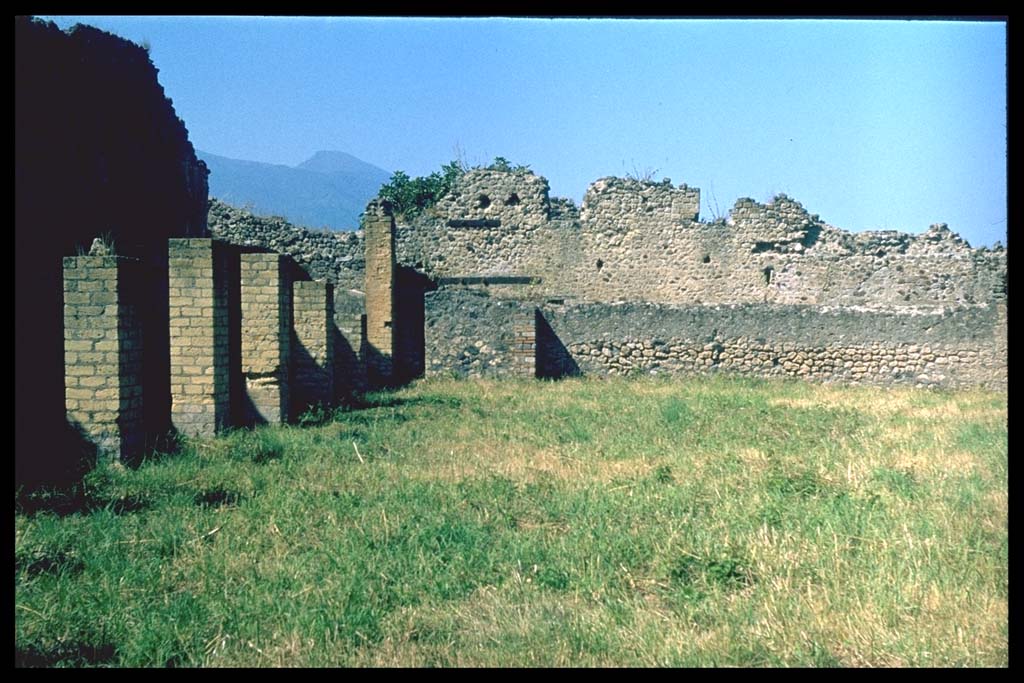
(266, 336)
(103, 353)
(197, 278)
(524, 344)
(380, 292)
(313, 345)
(349, 370)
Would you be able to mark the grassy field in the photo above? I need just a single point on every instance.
(708, 522)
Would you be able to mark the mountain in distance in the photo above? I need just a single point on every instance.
(330, 189)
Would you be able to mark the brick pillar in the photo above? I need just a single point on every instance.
(349, 370)
(103, 353)
(266, 337)
(380, 292)
(313, 345)
(200, 371)
(524, 344)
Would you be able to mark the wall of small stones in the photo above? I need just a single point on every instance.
(636, 241)
(640, 241)
(952, 348)
(469, 334)
(337, 257)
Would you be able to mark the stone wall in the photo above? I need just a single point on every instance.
(471, 334)
(336, 257)
(501, 236)
(636, 241)
(639, 241)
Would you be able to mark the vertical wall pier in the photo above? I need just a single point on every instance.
(524, 344)
(103, 349)
(313, 345)
(380, 293)
(349, 372)
(199, 327)
(554, 361)
(266, 321)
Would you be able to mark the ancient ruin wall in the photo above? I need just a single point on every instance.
(335, 257)
(472, 334)
(814, 301)
(637, 241)
(500, 237)
(99, 151)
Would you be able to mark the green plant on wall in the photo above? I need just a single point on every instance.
(410, 197)
(503, 164)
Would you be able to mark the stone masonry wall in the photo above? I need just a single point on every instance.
(638, 241)
(500, 234)
(336, 257)
(635, 241)
(469, 334)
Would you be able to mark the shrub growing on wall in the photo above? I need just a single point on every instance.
(410, 197)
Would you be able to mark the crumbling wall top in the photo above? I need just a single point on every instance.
(659, 202)
(511, 197)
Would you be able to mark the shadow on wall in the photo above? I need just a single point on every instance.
(306, 386)
(265, 393)
(312, 383)
(156, 356)
(379, 366)
(553, 360)
(410, 353)
(348, 371)
(407, 361)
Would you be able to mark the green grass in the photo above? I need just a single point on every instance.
(585, 523)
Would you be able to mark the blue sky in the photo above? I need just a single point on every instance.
(874, 125)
